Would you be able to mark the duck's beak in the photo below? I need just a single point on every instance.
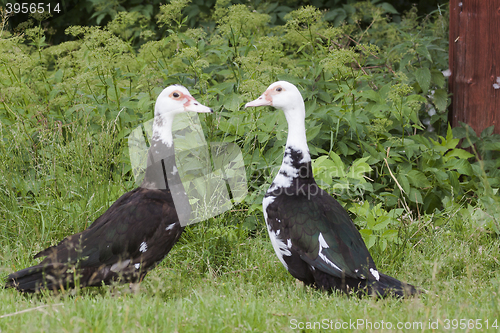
(263, 100)
(195, 106)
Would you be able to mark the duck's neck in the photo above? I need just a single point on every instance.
(162, 129)
(161, 157)
(160, 166)
(161, 172)
(296, 140)
(296, 167)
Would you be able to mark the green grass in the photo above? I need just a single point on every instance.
(254, 293)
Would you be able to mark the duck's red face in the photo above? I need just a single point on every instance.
(177, 99)
(267, 97)
(188, 101)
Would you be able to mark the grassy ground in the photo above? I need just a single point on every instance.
(249, 290)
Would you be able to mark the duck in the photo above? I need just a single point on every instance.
(311, 233)
(136, 232)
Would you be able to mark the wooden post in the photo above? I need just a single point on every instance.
(475, 63)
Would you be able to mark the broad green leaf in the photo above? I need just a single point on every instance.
(423, 51)
(371, 221)
(448, 142)
(438, 78)
(418, 179)
(460, 153)
(449, 134)
(462, 166)
(233, 102)
(312, 132)
(368, 237)
(144, 103)
(383, 222)
(343, 148)
(441, 99)
(359, 168)
(488, 131)
(453, 177)
(406, 60)
(403, 181)
(388, 8)
(491, 145)
(338, 163)
(415, 196)
(373, 95)
(390, 234)
(423, 76)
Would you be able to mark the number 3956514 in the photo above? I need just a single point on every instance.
(31, 8)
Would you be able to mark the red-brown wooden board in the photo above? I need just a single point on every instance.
(475, 63)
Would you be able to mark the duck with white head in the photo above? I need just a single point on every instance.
(312, 234)
(135, 233)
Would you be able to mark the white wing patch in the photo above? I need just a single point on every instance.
(137, 266)
(279, 247)
(322, 242)
(375, 274)
(170, 227)
(324, 245)
(144, 247)
(266, 202)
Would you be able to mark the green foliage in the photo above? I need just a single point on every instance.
(171, 14)
(376, 119)
(197, 13)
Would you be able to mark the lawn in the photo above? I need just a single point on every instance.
(252, 292)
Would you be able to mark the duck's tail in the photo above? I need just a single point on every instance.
(50, 276)
(387, 285)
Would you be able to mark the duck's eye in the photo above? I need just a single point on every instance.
(278, 89)
(175, 95)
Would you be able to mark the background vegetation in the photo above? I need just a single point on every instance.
(424, 196)
(197, 12)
